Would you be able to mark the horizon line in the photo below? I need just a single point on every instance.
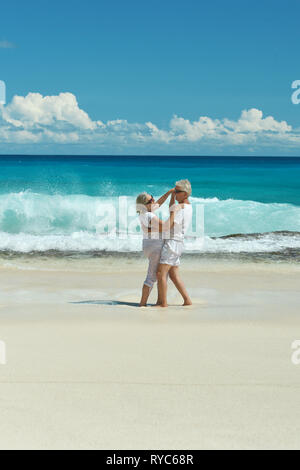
(146, 155)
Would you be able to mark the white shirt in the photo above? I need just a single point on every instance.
(183, 219)
(145, 220)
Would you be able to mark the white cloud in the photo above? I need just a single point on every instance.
(6, 45)
(59, 120)
(35, 111)
(252, 121)
(184, 129)
(157, 134)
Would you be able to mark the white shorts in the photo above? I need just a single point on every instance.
(152, 250)
(171, 252)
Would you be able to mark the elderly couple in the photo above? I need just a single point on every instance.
(163, 240)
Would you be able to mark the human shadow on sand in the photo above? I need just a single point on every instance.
(107, 302)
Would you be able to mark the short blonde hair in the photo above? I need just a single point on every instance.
(141, 202)
(185, 186)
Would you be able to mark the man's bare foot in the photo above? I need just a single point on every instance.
(162, 305)
(187, 303)
(143, 305)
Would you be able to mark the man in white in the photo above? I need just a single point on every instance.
(173, 246)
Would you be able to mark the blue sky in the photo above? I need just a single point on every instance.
(138, 62)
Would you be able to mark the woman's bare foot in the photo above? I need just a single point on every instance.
(162, 305)
(187, 303)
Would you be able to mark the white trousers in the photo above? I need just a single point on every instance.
(152, 250)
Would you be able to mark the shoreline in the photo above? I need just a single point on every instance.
(118, 261)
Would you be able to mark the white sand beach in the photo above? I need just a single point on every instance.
(87, 369)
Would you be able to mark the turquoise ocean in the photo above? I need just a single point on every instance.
(54, 205)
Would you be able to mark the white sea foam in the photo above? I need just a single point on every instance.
(82, 242)
(40, 222)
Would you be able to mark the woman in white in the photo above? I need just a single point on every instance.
(153, 232)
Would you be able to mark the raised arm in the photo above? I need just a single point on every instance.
(172, 200)
(163, 199)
